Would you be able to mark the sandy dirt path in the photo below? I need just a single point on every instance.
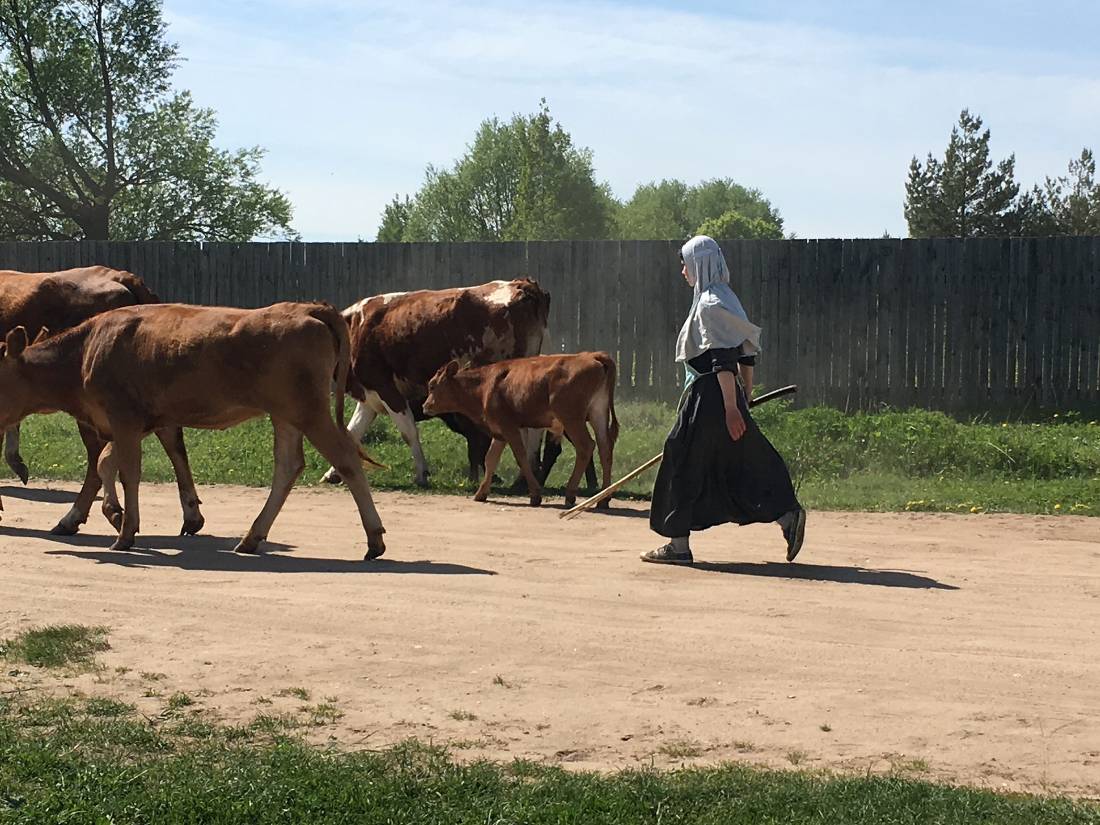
(963, 648)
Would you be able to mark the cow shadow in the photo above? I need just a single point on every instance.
(825, 573)
(145, 543)
(215, 553)
(38, 494)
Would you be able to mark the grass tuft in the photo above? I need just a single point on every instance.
(56, 645)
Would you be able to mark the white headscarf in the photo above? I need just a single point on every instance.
(717, 320)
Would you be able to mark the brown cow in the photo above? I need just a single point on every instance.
(56, 301)
(130, 371)
(399, 340)
(561, 393)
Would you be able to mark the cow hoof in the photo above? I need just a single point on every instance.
(604, 505)
(536, 500)
(331, 477)
(191, 526)
(422, 483)
(64, 529)
(247, 547)
(375, 547)
(122, 544)
(20, 470)
(481, 497)
(570, 500)
(114, 517)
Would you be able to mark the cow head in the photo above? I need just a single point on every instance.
(13, 387)
(443, 391)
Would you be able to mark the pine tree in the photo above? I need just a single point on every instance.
(1071, 203)
(964, 195)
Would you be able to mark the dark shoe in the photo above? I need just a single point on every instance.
(794, 531)
(667, 554)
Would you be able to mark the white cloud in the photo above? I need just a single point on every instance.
(353, 100)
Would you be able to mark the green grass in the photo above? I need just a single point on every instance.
(59, 763)
(889, 461)
(56, 645)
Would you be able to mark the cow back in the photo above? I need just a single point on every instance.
(61, 300)
(404, 338)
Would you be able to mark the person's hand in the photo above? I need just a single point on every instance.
(735, 423)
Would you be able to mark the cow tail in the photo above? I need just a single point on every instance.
(136, 287)
(330, 317)
(610, 372)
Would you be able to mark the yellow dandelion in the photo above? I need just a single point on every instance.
(1057, 506)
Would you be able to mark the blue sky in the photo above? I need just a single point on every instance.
(821, 108)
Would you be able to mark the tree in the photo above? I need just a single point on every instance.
(673, 210)
(964, 195)
(521, 180)
(394, 219)
(94, 143)
(1070, 204)
(657, 211)
(733, 224)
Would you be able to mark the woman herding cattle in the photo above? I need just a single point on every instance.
(718, 467)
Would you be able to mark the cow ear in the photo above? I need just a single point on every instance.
(451, 368)
(16, 341)
(42, 335)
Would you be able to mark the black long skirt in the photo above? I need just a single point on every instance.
(707, 478)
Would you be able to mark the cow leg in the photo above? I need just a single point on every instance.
(590, 474)
(492, 458)
(406, 425)
(78, 513)
(336, 445)
(171, 438)
(550, 452)
(532, 440)
(11, 454)
(361, 420)
(127, 454)
(290, 461)
(583, 444)
(606, 447)
(477, 445)
(519, 450)
(551, 449)
(108, 473)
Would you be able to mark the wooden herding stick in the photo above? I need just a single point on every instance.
(610, 489)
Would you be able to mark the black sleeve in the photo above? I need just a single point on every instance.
(747, 360)
(724, 360)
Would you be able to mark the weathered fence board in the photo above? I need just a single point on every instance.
(963, 325)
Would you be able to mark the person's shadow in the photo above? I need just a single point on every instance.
(215, 553)
(825, 573)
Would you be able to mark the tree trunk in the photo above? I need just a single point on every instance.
(95, 223)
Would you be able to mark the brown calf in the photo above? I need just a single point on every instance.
(130, 371)
(561, 393)
(56, 301)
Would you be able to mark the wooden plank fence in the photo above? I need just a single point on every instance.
(992, 324)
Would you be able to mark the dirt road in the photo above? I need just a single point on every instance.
(964, 648)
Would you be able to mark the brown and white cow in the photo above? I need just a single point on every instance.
(56, 301)
(560, 393)
(400, 340)
(130, 371)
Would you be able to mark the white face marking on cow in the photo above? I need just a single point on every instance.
(502, 295)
